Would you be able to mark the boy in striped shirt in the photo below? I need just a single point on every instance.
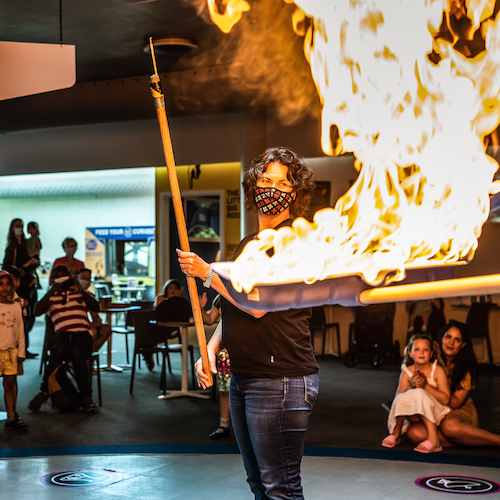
(67, 304)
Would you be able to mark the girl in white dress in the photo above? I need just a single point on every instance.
(423, 395)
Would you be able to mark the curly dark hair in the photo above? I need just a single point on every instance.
(465, 361)
(299, 174)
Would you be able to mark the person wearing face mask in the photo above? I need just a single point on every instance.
(67, 305)
(100, 331)
(274, 381)
(74, 265)
(16, 254)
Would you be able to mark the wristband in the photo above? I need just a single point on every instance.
(208, 281)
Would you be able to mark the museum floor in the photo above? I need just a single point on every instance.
(141, 447)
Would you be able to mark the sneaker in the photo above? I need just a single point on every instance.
(36, 403)
(88, 404)
(31, 355)
(16, 425)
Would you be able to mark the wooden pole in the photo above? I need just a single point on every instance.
(159, 100)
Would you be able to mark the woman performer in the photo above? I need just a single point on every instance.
(274, 382)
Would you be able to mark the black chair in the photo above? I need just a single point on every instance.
(94, 368)
(151, 338)
(128, 327)
(103, 291)
(478, 324)
(371, 334)
(317, 322)
(125, 329)
(49, 333)
(148, 340)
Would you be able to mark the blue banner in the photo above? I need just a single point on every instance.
(123, 233)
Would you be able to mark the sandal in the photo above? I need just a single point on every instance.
(427, 447)
(16, 425)
(391, 441)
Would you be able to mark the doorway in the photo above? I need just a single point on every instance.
(204, 212)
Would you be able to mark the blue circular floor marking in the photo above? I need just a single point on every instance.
(82, 478)
(458, 484)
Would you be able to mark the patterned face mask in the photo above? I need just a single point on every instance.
(272, 201)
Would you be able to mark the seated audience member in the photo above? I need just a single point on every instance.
(460, 426)
(100, 331)
(170, 307)
(171, 288)
(67, 304)
(422, 396)
(69, 246)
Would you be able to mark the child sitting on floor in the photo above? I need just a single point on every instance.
(422, 395)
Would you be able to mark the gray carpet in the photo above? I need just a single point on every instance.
(348, 414)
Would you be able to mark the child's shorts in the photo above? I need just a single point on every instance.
(8, 362)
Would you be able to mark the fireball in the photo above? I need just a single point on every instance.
(411, 88)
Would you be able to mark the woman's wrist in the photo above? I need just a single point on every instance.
(207, 281)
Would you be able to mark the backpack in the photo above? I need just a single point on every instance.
(63, 393)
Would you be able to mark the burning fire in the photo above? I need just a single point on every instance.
(232, 10)
(412, 88)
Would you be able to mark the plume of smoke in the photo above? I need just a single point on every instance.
(267, 62)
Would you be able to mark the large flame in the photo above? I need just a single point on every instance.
(226, 13)
(404, 87)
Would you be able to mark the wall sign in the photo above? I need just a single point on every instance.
(458, 484)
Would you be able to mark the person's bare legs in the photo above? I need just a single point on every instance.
(9, 396)
(101, 336)
(432, 432)
(224, 405)
(425, 321)
(393, 439)
(459, 432)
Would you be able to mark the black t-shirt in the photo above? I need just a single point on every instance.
(276, 345)
(174, 309)
(16, 254)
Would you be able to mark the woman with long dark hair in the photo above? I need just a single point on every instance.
(16, 254)
(274, 381)
(460, 426)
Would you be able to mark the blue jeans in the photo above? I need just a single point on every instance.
(269, 418)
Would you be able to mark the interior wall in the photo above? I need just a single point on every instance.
(216, 138)
(213, 177)
(61, 217)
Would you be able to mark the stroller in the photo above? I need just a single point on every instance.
(371, 335)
